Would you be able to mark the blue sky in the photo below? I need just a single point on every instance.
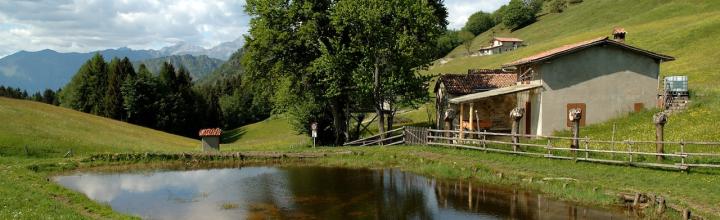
(88, 25)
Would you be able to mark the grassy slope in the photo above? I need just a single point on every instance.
(686, 30)
(51, 131)
(271, 134)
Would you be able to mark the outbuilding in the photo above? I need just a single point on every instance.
(210, 139)
(604, 78)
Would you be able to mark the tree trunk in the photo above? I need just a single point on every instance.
(390, 117)
(360, 119)
(338, 122)
(378, 101)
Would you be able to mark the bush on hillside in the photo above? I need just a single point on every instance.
(479, 22)
(519, 13)
(558, 6)
(467, 39)
(497, 15)
(447, 42)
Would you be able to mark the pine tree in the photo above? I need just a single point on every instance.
(118, 72)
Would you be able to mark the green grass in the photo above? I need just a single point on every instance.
(274, 133)
(49, 131)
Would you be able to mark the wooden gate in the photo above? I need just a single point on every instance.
(416, 135)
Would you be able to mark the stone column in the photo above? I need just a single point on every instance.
(574, 116)
(516, 114)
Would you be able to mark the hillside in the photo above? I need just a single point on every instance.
(272, 133)
(198, 66)
(678, 28)
(48, 130)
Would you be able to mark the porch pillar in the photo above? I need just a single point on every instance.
(516, 114)
(471, 119)
(462, 119)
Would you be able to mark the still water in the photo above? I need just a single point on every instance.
(314, 193)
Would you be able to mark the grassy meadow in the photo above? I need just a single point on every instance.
(687, 30)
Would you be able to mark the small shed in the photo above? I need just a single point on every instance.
(210, 139)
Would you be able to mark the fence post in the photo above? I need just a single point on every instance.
(682, 152)
(483, 142)
(548, 147)
(587, 147)
(659, 119)
(612, 142)
(516, 114)
(630, 150)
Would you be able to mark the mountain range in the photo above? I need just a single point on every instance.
(199, 66)
(38, 70)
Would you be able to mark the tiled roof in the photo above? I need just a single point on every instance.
(459, 84)
(566, 49)
(507, 39)
(619, 30)
(210, 132)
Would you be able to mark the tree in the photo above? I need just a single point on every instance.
(479, 22)
(140, 94)
(394, 39)
(48, 96)
(318, 55)
(118, 72)
(499, 14)
(467, 39)
(86, 90)
(518, 13)
(447, 42)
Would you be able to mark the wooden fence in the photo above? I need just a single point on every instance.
(680, 155)
(388, 138)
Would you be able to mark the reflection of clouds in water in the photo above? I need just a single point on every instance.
(104, 187)
(168, 194)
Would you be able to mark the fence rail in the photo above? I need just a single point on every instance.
(680, 155)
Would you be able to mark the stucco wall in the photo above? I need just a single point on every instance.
(211, 143)
(607, 79)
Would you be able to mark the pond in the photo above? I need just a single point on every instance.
(314, 193)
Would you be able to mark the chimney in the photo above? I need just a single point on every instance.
(619, 34)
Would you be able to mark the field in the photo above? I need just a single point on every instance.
(34, 137)
(28, 193)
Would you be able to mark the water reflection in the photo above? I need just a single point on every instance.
(314, 193)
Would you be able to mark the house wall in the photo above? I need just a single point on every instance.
(609, 80)
(211, 143)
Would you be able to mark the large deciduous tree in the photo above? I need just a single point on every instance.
(322, 59)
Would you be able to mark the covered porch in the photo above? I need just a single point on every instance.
(488, 110)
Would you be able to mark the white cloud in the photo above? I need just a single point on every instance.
(87, 25)
(460, 10)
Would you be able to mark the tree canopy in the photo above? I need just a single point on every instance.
(479, 22)
(327, 59)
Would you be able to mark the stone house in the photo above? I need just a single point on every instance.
(500, 45)
(486, 113)
(603, 77)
